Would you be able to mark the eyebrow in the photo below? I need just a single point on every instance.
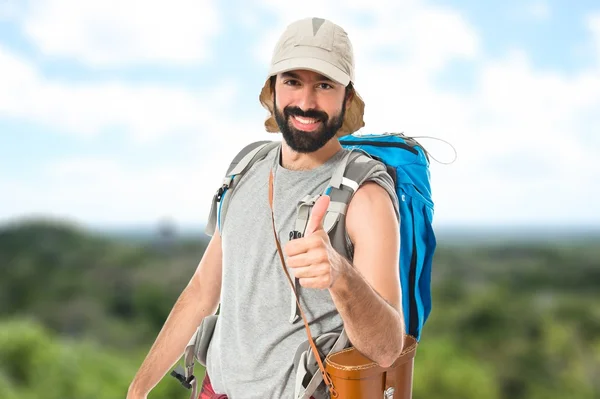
(293, 75)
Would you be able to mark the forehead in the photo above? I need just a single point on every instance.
(305, 75)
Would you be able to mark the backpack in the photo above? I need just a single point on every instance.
(407, 163)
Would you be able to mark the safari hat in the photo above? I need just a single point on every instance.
(320, 46)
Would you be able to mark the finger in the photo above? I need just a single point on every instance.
(320, 282)
(302, 245)
(304, 272)
(319, 209)
(296, 247)
(311, 271)
(307, 259)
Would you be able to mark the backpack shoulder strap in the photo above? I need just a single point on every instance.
(359, 168)
(240, 164)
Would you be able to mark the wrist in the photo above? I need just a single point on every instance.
(135, 392)
(343, 270)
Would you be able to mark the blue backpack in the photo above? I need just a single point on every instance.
(407, 163)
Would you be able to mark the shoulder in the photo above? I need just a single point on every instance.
(371, 213)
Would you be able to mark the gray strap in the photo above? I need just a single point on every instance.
(247, 156)
(294, 311)
(337, 207)
(189, 371)
(204, 335)
(245, 161)
(307, 364)
(333, 211)
(211, 225)
(338, 173)
(359, 167)
(196, 349)
(194, 391)
(350, 184)
(303, 213)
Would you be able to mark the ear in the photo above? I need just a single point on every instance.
(349, 97)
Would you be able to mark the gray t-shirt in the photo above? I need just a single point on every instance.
(252, 350)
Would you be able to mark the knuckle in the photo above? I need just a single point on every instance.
(323, 257)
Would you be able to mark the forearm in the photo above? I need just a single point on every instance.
(373, 326)
(182, 322)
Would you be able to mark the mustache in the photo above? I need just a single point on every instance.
(311, 113)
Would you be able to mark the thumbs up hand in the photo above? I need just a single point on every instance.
(311, 258)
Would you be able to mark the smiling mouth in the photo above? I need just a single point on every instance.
(305, 123)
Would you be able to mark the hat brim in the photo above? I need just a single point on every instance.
(311, 64)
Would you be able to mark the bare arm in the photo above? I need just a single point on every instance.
(367, 293)
(199, 299)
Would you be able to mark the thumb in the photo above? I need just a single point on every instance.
(319, 209)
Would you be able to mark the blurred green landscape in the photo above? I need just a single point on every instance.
(79, 310)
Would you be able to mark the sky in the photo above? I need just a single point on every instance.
(119, 113)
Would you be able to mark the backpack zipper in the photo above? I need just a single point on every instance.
(381, 144)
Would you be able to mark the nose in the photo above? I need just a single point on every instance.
(307, 98)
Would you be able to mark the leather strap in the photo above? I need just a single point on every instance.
(326, 378)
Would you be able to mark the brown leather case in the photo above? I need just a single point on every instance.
(354, 376)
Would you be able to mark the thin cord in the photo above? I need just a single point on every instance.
(401, 134)
(442, 140)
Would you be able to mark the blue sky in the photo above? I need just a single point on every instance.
(122, 112)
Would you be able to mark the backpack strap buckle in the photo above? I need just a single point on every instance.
(185, 381)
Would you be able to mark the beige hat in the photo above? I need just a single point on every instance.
(321, 46)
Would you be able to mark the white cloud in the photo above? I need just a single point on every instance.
(105, 189)
(146, 112)
(121, 32)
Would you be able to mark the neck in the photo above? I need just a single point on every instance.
(293, 160)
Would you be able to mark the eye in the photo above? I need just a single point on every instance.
(290, 82)
(325, 86)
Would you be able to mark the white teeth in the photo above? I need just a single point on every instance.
(305, 121)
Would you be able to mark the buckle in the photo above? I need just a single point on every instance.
(186, 382)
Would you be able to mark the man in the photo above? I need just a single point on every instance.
(311, 99)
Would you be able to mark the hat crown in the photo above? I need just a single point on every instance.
(329, 41)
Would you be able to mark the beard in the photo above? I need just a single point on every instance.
(303, 141)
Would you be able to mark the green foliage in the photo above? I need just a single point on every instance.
(78, 313)
(444, 371)
(38, 364)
